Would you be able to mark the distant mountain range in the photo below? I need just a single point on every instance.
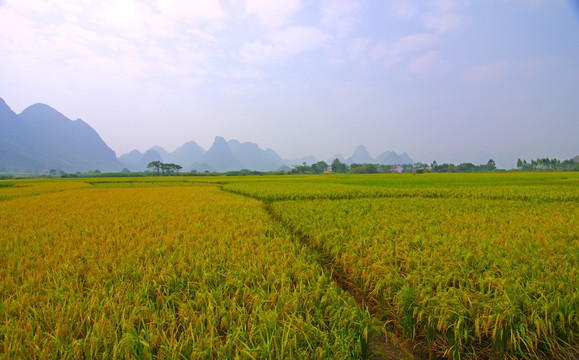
(222, 156)
(40, 139)
(186, 154)
(233, 155)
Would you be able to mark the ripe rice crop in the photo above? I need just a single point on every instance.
(467, 277)
(22, 188)
(541, 187)
(164, 272)
(446, 265)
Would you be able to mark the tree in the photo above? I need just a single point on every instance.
(171, 168)
(302, 169)
(419, 165)
(338, 166)
(320, 167)
(466, 167)
(444, 168)
(156, 165)
(165, 169)
(491, 165)
(364, 169)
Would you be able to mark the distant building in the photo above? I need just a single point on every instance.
(397, 169)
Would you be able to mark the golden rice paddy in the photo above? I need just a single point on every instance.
(341, 267)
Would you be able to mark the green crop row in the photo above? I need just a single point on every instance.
(305, 189)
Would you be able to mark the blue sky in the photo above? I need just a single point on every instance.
(444, 80)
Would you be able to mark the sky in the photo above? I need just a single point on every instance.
(446, 80)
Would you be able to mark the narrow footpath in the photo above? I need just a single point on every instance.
(382, 347)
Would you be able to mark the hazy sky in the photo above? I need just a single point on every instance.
(445, 80)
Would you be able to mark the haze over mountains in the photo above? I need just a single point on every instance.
(233, 155)
(41, 138)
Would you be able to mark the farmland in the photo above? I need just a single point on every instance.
(375, 266)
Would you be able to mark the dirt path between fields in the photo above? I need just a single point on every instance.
(381, 346)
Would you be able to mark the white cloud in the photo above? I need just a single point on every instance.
(442, 23)
(126, 16)
(403, 47)
(13, 23)
(272, 14)
(537, 3)
(283, 44)
(425, 63)
(341, 15)
(404, 53)
(202, 35)
(492, 71)
(244, 90)
(412, 43)
(403, 9)
(70, 40)
(444, 15)
(444, 6)
(247, 74)
(358, 48)
(201, 10)
(29, 7)
(112, 42)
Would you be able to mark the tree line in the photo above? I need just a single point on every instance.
(164, 169)
(341, 168)
(462, 167)
(547, 164)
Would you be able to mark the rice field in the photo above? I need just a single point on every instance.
(458, 266)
